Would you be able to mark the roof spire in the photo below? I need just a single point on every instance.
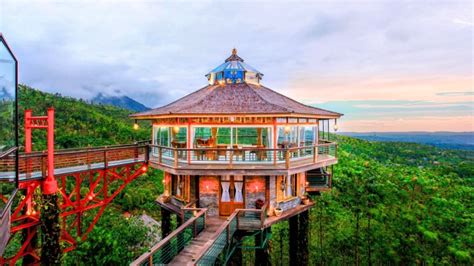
(234, 56)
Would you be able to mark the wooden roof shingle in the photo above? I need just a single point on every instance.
(235, 99)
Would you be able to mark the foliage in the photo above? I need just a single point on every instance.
(50, 231)
(393, 203)
(115, 240)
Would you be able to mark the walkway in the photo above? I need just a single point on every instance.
(197, 244)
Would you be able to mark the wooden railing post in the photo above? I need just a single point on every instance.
(287, 159)
(195, 228)
(275, 154)
(314, 154)
(43, 165)
(160, 155)
(147, 153)
(238, 222)
(231, 158)
(175, 154)
(106, 164)
(88, 159)
(136, 150)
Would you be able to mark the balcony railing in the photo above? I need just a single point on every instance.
(240, 219)
(169, 247)
(285, 157)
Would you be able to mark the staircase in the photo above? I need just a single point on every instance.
(317, 180)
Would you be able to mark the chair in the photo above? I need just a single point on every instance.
(261, 153)
(222, 150)
(238, 152)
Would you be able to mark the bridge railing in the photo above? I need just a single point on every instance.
(170, 246)
(240, 219)
(34, 165)
(5, 221)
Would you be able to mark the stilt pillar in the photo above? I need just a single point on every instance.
(303, 234)
(262, 255)
(165, 223)
(293, 244)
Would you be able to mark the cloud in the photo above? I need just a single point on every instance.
(385, 109)
(323, 51)
(456, 93)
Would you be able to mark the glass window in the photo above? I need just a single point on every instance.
(307, 135)
(7, 99)
(287, 136)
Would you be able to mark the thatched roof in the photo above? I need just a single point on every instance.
(236, 99)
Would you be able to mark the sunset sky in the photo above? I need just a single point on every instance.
(387, 65)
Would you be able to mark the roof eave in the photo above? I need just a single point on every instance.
(195, 115)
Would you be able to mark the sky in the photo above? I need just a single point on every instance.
(387, 65)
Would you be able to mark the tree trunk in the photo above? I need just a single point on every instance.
(293, 244)
(303, 231)
(262, 255)
(51, 231)
(321, 234)
(357, 240)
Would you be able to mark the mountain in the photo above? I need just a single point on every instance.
(79, 123)
(124, 102)
(445, 140)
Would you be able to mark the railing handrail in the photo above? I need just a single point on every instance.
(242, 148)
(225, 226)
(8, 204)
(8, 152)
(168, 238)
(86, 149)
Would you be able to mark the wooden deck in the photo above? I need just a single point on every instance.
(185, 257)
(241, 168)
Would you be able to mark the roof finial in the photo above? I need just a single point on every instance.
(234, 51)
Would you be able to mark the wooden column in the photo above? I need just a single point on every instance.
(262, 255)
(165, 226)
(165, 223)
(293, 244)
(236, 257)
(259, 136)
(303, 234)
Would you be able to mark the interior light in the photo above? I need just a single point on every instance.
(135, 125)
(287, 129)
(176, 130)
(335, 125)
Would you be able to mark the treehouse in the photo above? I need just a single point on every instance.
(238, 146)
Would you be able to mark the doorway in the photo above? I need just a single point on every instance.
(231, 194)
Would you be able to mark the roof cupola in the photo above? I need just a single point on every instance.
(233, 71)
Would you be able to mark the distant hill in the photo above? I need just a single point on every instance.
(79, 123)
(445, 140)
(124, 102)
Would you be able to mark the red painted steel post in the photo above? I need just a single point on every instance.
(28, 131)
(28, 149)
(50, 185)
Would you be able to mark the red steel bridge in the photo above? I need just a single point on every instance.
(86, 180)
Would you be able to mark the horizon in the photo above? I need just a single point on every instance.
(385, 71)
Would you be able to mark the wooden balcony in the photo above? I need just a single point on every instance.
(243, 160)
